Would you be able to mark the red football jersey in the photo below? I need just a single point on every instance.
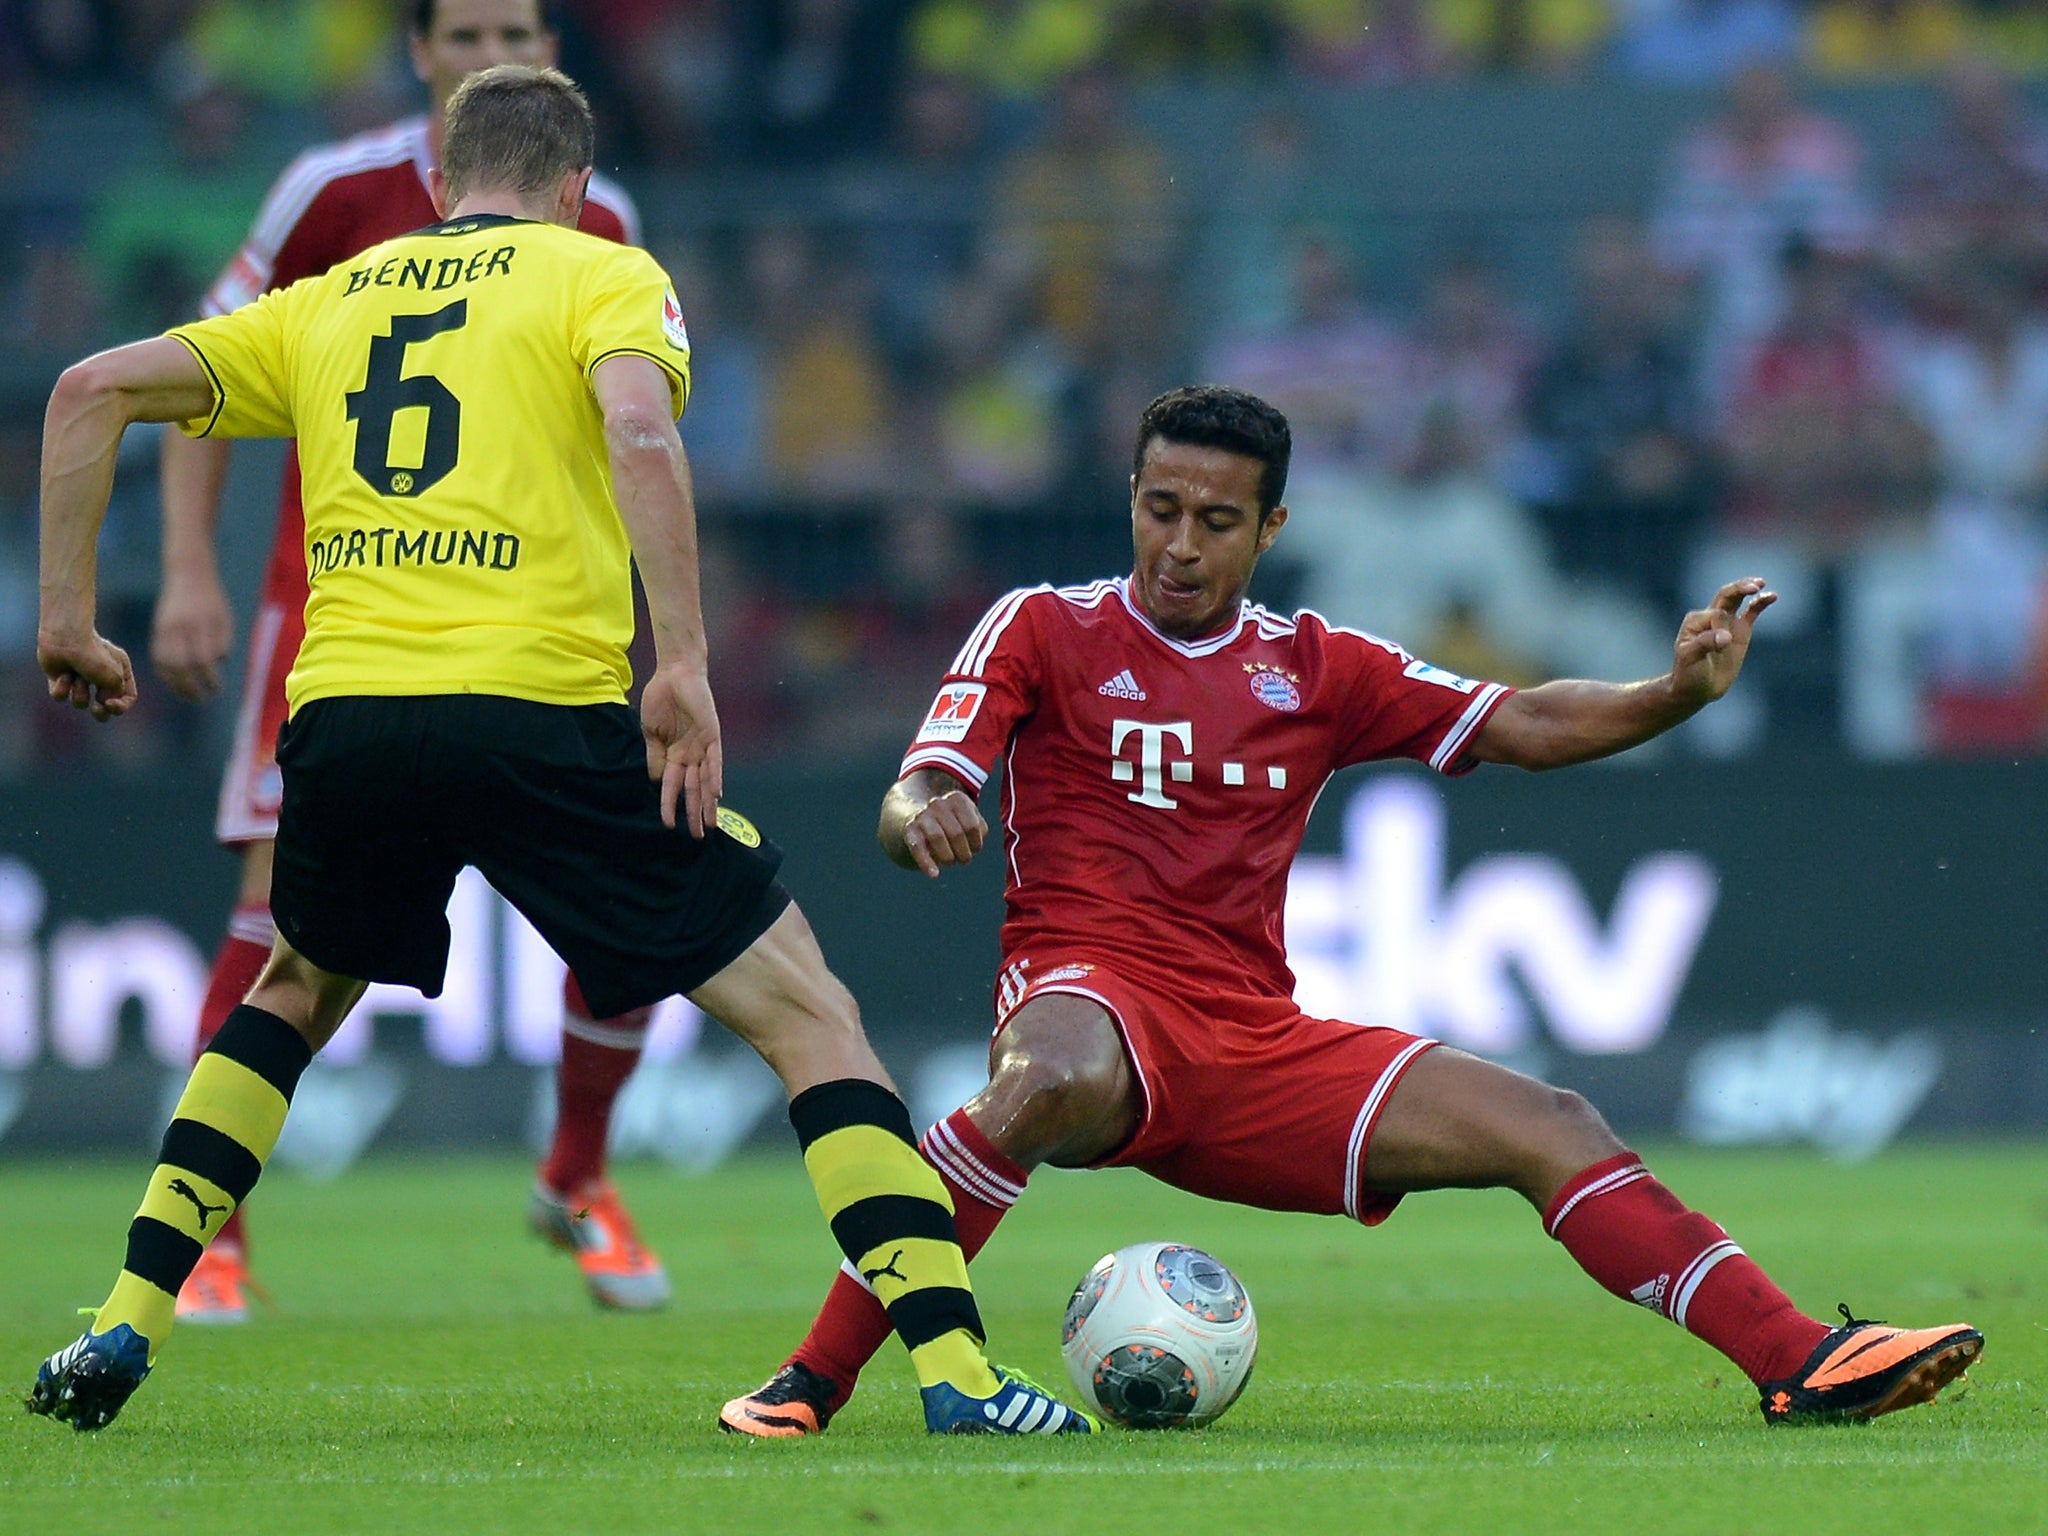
(336, 201)
(1155, 791)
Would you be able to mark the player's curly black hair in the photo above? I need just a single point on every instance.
(1217, 416)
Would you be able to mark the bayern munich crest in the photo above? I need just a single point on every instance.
(1276, 691)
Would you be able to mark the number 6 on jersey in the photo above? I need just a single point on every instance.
(387, 391)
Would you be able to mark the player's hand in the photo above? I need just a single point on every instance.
(684, 754)
(190, 636)
(948, 831)
(88, 673)
(1713, 642)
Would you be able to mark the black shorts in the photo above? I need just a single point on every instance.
(386, 799)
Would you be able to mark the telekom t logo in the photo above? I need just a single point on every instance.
(1152, 769)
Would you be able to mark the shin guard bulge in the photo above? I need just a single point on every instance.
(1643, 1244)
(222, 1132)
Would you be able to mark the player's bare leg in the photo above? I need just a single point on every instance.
(886, 1207)
(782, 999)
(1061, 1090)
(1457, 1122)
(574, 1206)
(222, 1132)
(216, 1292)
(258, 859)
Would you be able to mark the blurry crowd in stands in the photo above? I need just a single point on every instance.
(808, 79)
(909, 400)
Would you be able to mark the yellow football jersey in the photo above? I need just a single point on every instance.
(460, 531)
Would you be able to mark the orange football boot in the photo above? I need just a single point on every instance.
(1864, 1368)
(214, 1292)
(592, 1224)
(795, 1401)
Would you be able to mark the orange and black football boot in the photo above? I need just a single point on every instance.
(795, 1401)
(591, 1223)
(216, 1290)
(1864, 1368)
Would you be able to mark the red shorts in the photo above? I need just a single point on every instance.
(1247, 1098)
(251, 788)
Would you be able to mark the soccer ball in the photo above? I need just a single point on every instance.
(1159, 1336)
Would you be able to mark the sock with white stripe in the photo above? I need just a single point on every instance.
(598, 1055)
(244, 950)
(984, 1184)
(1639, 1240)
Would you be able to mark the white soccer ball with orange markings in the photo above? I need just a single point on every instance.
(1159, 1336)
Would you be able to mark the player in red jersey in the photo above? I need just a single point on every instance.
(331, 203)
(1162, 743)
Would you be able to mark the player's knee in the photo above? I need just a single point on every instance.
(1577, 1132)
(1060, 1090)
(258, 862)
(312, 1001)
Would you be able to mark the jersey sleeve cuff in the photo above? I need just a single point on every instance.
(1449, 756)
(679, 378)
(196, 426)
(959, 764)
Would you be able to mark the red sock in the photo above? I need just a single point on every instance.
(1634, 1236)
(598, 1055)
(236, 965)
(984, 1184)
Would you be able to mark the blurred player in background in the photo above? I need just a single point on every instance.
(1162, 743)
(332, 203)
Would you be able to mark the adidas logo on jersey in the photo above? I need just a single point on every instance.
(1010, 988)
(1651, 1293)
(1122, 686)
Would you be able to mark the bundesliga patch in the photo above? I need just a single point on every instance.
(738, 828)
(672, 322)
(1275, 690)
(953, 711)
(1423, 672)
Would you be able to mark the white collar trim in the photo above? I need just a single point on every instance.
(1208, 647)
(422, 151)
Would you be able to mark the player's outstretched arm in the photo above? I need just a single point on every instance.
(1570, 721)
(93, 404)
(651, 485)
(193, 627)
(929, 821)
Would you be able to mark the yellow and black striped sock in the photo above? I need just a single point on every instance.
(226, 1122)
(894, 1221)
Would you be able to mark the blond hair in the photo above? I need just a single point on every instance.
(515, 128)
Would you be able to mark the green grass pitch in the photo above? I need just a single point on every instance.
(428, 1367)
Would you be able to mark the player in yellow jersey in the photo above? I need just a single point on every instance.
(486, 413)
